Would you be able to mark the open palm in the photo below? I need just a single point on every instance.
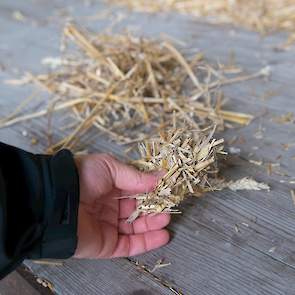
(102, 228)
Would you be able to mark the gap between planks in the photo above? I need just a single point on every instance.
(147, 273)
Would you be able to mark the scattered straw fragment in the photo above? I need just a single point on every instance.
(269, 169)
(285, 119)
(234, 150)
(286, 146)
(292, 192)
(255, 162)
(259, 133)
(272, 249)
(145, 269)
(51, 262)
(160, 264)
(190, 160)
(34, 141)
(54, 62)
(247, 183)
(19, 16)
(237, 229)
(45, 283)
(18, 82)
(272, 167)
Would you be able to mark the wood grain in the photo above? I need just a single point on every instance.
(98, 277)
(225, 243)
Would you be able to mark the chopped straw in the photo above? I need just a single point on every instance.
(129, 87)
(190, 161)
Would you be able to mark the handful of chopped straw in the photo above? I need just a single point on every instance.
(190, 161)
(128, 88)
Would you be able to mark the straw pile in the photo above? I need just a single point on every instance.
(264, 16)
(129, 87)
(132, 89)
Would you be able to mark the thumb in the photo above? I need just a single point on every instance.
(129, 179)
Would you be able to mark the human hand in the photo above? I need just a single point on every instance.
(102, 228)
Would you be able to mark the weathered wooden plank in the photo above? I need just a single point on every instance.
(208, 256)
(211, 264)
(98, 277)
(247, 221)
(15, 284)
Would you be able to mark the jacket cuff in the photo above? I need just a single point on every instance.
(61, 203)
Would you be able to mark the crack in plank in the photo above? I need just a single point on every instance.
(152, 276)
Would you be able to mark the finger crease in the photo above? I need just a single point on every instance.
(146, 223)
(102, 243)
(111, 170)
(144, 243)
(132, 228)
(128, 246)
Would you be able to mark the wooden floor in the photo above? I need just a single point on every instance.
(231, 243)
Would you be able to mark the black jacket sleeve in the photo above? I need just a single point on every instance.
(39, 199)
